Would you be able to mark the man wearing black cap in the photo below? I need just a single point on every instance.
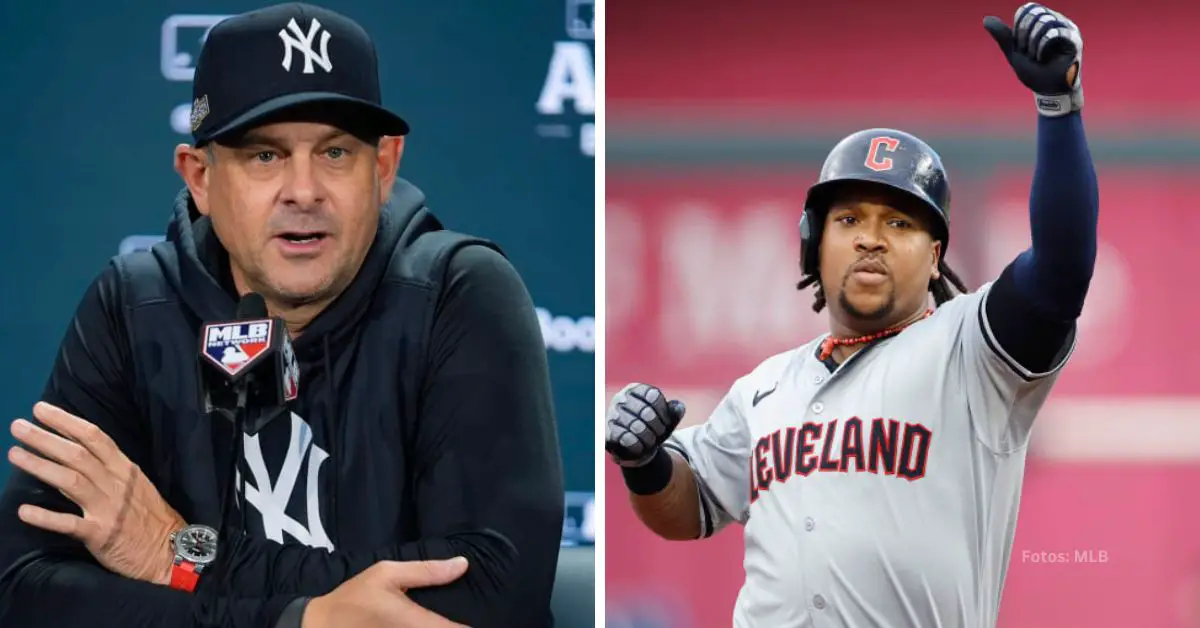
(423, 433)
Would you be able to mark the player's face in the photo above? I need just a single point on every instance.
(876, 261)
(296, 204)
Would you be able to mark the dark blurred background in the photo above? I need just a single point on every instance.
(719, 115)
(499, 96)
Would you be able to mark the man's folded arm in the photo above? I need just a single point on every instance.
(55, 590)
(49, 579)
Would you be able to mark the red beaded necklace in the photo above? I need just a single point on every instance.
(829, 343)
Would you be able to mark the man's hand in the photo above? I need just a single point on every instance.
(375, 597)
(639, 421)
(1045, 49)
(125, 522)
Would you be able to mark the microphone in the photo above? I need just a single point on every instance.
(248, 374)
(247, 366)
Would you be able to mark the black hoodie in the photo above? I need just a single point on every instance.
(424, 429)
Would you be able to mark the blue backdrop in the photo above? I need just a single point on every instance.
(499, 95)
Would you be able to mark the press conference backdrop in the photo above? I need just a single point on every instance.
(500, 99)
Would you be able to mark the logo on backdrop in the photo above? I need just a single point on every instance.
(564, 334)
(567, 102)
(138, 242)
(183, 36)
(579, 521)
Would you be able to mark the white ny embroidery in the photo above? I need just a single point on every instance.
(272, 501)
(303, 42)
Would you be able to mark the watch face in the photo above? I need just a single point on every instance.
(197, 544)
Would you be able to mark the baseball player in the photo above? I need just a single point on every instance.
(877, 469)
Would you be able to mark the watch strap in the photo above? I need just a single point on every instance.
(184, 576)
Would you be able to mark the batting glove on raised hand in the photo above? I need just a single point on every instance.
(1045, 49)
(639, 421)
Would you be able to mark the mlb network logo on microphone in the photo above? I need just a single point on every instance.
(233, 347)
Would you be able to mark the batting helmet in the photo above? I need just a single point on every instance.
(887, 157)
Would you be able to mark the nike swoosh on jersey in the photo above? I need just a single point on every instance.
(759, 396)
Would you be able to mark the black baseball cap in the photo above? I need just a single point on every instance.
(288, 61)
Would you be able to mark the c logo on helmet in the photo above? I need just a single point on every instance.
(880, 144)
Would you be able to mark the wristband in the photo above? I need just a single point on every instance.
(652, 477)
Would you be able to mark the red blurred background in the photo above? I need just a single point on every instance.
(718, 117)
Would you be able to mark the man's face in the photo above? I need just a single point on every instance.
(876, 259)
(295, 204)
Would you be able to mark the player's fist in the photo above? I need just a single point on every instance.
(639, 421)
(1045, 49)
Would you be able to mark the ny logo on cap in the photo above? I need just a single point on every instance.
(303, 42)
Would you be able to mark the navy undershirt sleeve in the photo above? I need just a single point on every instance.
(1033, 305)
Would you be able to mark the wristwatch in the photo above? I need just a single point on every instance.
(195, 549)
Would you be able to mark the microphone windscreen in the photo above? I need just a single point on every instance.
(253, 305)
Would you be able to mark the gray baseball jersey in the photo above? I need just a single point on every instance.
(881, 493)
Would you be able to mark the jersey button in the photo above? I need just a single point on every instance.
(818, 379)
(809, 524)
(819, 602)
(818, 407)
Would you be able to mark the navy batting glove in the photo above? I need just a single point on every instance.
(1042, 47)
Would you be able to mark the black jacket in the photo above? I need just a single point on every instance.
(424, 429)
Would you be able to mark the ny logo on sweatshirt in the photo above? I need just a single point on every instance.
(272, 499)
